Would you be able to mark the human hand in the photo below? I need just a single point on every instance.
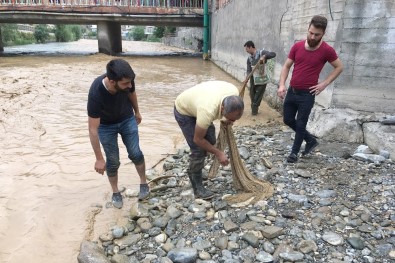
(226, 122)
(281, 92)
(100, 166)
(317, 89)
(138, 117)
(262, 59)
(222, 158)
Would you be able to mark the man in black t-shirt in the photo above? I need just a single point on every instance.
(112, 110)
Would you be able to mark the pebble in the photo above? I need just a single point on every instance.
(318, 203)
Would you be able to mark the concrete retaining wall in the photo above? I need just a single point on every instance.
(186, 37)
(361, 31)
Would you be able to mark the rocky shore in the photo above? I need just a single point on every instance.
(336, 205)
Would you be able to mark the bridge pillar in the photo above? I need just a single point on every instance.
(109, 37)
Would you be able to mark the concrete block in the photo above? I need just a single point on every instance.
(369, 54)
(370, 35)
(362, 99)
(336, 124)
(366, 8)
(374, 71)
(369, 23)
(380, 137)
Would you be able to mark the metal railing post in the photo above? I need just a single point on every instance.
(206, 30)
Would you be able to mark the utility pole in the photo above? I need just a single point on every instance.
(206, 30)
(1, 42)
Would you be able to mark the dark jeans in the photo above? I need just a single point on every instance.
(256, 95)
(297, 108)
(198, 155)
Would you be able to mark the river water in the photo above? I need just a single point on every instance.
(49, 191)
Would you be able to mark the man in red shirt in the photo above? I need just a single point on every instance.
(308, 57)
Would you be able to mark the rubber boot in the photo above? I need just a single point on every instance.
(197, 185)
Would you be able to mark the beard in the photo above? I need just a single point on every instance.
(313, 42)
(118, 88)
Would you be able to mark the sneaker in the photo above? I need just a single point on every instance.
(117, 200)
(292, 158)
(144, 191)
(310, 146)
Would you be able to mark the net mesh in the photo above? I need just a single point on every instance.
(249, 187)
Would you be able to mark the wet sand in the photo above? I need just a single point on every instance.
(49, 191)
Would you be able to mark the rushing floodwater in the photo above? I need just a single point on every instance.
(49, 191)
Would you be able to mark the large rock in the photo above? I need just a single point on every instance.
(336, 124)
(347, 125)
(91, 253)
(380, 137)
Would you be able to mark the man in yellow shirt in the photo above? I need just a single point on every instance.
(195, 110)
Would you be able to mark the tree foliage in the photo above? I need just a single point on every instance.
(41, 33)
(67, 33)
(77, 31)
(138, 33)
(170, 29)
(159, 31)
(9, 33)
(62, 34)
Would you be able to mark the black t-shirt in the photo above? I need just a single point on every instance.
(110, 108)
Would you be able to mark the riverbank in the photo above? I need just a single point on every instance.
(328, 207)
(90, 47)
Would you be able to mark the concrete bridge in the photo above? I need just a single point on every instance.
(108, 15)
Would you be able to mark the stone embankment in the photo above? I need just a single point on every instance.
(336, 205)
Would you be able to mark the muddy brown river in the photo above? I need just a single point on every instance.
(49, 191)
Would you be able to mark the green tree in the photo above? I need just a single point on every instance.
(170, 29)
(41, 33)
(63, 33)
(9, 33)
(159, 31)
(138, 33)
(92, 34)
(77, 32)
(23, 38)
(152, 38)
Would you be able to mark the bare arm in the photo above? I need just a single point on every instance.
(100, 164)
(200, 141)
(283, 77)
(135, 105)
(337, 69)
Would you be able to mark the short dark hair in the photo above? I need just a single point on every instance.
(232, 104)
(249, 43)
(319, 22)
(117, 69)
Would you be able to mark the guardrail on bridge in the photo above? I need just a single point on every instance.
(132, 3)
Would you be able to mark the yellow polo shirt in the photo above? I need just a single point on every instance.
(204, 101)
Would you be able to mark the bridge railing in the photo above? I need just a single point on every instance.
(133, 3)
